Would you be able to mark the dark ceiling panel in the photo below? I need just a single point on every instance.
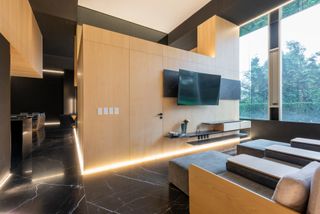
(58, 35)
(188, 41)
(58, 18)
(92, 17)
(57, 62)
(66, 9)
(57, 21)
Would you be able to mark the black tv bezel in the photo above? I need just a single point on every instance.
(199, 104)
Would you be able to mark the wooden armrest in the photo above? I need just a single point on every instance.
(210, 193)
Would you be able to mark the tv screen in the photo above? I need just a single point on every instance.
(198, 88)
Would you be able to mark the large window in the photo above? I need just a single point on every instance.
(254, 69)
(300, 43)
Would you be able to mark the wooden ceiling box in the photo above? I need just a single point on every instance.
(19, 26)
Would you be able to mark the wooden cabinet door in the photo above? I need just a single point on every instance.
(145, 104)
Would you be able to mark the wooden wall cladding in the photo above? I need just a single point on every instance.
(126, 72)
(217, 36)
(20, 28)
(106, 83)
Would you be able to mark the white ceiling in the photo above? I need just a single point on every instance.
(161, 15)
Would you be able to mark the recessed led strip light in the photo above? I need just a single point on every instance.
(53, 71)
(79, 152)
(5, 179)
(48, 177)
(265, 13)
(52, 123)
(159, 156)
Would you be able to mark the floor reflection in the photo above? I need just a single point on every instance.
(49, 181)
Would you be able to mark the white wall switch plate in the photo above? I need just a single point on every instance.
(111, 110)
(116, 110)
(105, 111)
(99, 111)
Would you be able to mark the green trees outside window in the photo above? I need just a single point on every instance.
(254, 69)
(301, 61)
(300, 48)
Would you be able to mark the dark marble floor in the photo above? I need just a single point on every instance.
(49, 181)
(143, 189)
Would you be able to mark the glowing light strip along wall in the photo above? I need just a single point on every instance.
(4, 181)
(266, 13)
(159, 156)
(146, 159)
(53, 71)
(52, 123)
(79, 152)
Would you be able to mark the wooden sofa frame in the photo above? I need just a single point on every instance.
(210, 193)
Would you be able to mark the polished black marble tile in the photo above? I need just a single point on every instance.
(141, 189)
(49, 181)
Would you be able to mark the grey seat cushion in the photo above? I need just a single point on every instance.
(248, 184)
(212, 161)
(305, 143)
(262, 171)
(257, 147)
(297, 156)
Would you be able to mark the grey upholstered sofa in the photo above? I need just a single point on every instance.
(212, 161)
(280, 187)
(296, 192)
(257, 147)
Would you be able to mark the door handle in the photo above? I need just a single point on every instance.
(160, 115)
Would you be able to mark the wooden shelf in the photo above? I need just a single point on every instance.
(195, 134)
(217, 139)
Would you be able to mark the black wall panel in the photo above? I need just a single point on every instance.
(283, 131)
(68, 93)
(5, 145)
(38, 95)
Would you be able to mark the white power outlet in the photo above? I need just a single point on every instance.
(116, 110)
(99, 111)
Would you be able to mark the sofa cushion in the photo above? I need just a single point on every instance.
(248, 184)
(314, 199)
(293, 189)
(257, 147)
(292, 155)
(305, 143)
(212, 161)
(260, 170)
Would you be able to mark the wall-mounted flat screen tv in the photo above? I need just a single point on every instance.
(198, 88)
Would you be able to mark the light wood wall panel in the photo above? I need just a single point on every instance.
(80, 93)
(207, 37)
(145, 103)
(106, 84)
(216, 38)
(77, 45)
(173, 114)
(127, 72)
(19, 26)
